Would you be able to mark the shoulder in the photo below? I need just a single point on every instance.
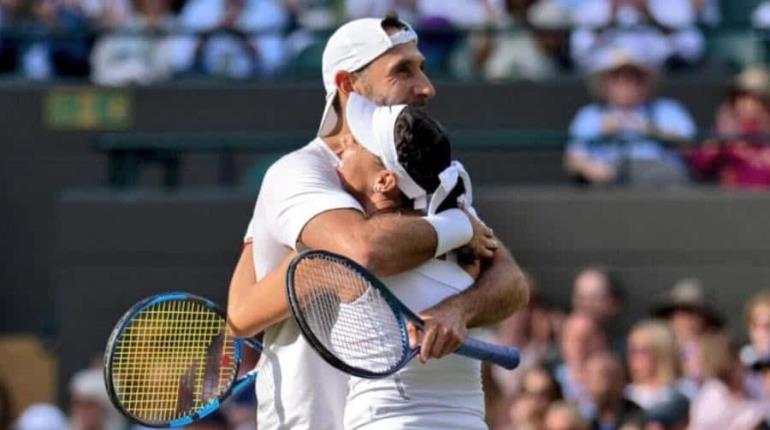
(666, 105)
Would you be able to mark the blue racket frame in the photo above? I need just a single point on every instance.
(235, 387)
(504, 356)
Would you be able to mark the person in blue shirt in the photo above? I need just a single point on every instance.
(628, 135)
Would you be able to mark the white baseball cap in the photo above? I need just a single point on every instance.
(350, 48)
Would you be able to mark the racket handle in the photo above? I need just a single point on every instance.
(504, 356)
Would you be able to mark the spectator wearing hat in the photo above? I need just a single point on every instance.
(686, 310)
(739, 155)
(623, 137)
(673, 414)
(723, 402)
(756, 355)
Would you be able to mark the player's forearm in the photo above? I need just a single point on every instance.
(253, 306)
(396, 243)
(500, 291)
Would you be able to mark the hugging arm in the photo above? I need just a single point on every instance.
(500, 290)
(253, 306)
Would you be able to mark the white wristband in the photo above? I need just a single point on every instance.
(453, 229)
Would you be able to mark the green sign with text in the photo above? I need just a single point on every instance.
(88, 109)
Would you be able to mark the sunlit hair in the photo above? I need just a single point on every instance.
(660, 338)
(719, 355)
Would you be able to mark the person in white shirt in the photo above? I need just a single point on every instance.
(303, 202)
(407, 159)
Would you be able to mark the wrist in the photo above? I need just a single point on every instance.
(453, 229)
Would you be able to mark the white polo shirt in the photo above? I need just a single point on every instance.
(296, 389)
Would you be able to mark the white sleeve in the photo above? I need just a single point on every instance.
(249, 234)
(296, 189)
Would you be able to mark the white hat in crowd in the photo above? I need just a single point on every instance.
(350, 48)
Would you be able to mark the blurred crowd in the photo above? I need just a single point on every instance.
(677, 368)
(119, 42)
(90, 407)
(631, 136)
(588, 367)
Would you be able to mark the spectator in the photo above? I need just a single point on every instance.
(90, 406)
(440, 23)
(534, 330)
(621, 139)
(686, 310)
(757, 317)
(537, 54)
(595, 293)
(564, 416)
(41, 416)
(722, 402)
(664, 28)
(139, 52)
(242, 38)
(740, 155)
(605, 381)
(581, 336)
(47, 56)
(653, 364)
(538, 390)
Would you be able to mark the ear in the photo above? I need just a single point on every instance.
(344, 82)
(387, 182)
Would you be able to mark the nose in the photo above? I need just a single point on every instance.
(424, 88)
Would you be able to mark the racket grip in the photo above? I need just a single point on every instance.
(504, 356)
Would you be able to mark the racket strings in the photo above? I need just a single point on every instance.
(349, 317)
(171, 359)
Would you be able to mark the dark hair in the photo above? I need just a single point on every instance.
(423, 149)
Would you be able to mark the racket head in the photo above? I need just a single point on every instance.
(347, 315)
(171, 360)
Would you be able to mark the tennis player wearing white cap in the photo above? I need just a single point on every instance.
(303, 202)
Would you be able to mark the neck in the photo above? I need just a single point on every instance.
(379, 203)
(334, 139)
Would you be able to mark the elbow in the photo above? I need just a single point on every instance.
(521, 293)
(366, 254)
(239, 323)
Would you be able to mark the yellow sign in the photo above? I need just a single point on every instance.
(89, 109)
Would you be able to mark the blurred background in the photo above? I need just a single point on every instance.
(619, 148)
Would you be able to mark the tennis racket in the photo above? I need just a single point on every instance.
(356, 324)
(171, 360)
